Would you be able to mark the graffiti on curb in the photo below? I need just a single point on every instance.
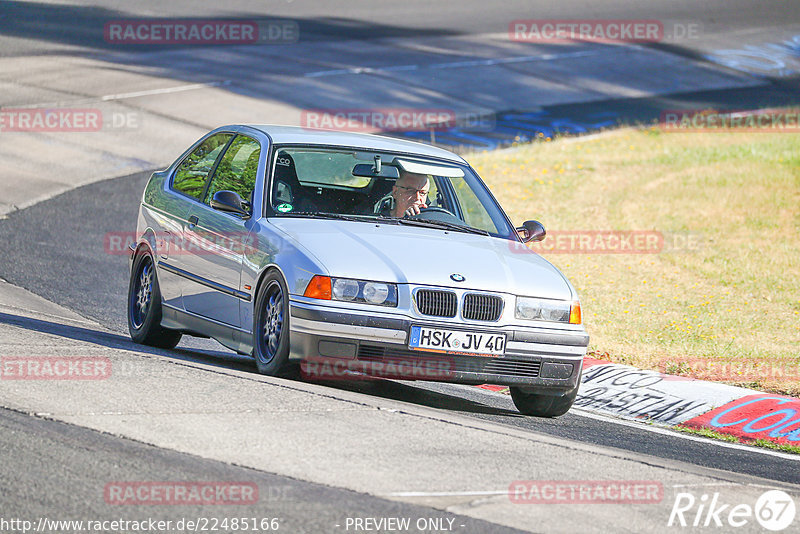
(771, 417)
(639, 394)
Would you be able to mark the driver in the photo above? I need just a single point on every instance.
(409, 194)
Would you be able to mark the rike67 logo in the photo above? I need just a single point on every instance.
(774, 510)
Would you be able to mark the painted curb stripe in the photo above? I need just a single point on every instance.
(632, 393)
(491, 387)
(771, 417)
(667, 400)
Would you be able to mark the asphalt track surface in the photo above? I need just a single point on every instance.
(55, 249)
(90, 460)
(59, 254)
(73, 24)
(33, 28)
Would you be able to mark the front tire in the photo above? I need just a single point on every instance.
(540, 405)
(271, 326)
(144, 306)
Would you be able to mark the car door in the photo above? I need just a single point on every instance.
(186, 189)
(215, 241)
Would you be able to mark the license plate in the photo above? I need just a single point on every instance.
(456, 341)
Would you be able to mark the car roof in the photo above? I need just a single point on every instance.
(295, 135)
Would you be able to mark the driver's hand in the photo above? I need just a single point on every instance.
(413, 210)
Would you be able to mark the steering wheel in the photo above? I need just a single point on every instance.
(435, 213)
(433, 209)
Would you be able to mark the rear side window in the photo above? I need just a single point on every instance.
(237, 169)
(192, 174)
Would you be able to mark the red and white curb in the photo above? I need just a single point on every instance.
(667, 400)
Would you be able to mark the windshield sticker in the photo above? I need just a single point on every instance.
(284, 208)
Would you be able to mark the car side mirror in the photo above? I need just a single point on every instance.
(230, 202)
(531, 231)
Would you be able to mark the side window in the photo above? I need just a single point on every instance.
(237, 170)
(190, 178)
(474, 213)
(434, 196)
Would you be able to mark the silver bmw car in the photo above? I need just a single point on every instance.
(358, 256)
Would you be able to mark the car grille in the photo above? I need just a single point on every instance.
(478, 307)
(495, 366)
(437, 303)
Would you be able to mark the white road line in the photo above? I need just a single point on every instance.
(445, 493)
(163, 91)
(484, 493)
(123, 96)
(449, 65)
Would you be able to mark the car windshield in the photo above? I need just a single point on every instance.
(382, 187)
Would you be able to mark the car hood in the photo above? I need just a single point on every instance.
(425, 256)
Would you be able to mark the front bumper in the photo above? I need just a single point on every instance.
(547, 359)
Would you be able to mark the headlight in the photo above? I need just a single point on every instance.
(376, 292)
(349, 290)
(344, 289)
(560, 311)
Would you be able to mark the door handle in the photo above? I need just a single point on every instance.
(193, 220)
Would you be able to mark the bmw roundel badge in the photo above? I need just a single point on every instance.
(455, 277)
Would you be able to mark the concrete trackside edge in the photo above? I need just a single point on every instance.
(669, 400)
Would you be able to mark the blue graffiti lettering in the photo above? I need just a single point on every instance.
(716, 421)
(750, 427)
(794, 435)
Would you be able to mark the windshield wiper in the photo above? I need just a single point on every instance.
(340, 216)
(442, 224)
(426, 223)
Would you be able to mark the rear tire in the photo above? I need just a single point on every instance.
(144, 306)
(271, 326)
(540, 405)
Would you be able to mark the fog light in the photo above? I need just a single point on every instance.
(556, 370)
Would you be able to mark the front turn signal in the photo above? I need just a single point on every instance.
(575, 313)
(319, 288)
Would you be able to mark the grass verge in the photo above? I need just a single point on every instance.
(713, 434)
(721, 298)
